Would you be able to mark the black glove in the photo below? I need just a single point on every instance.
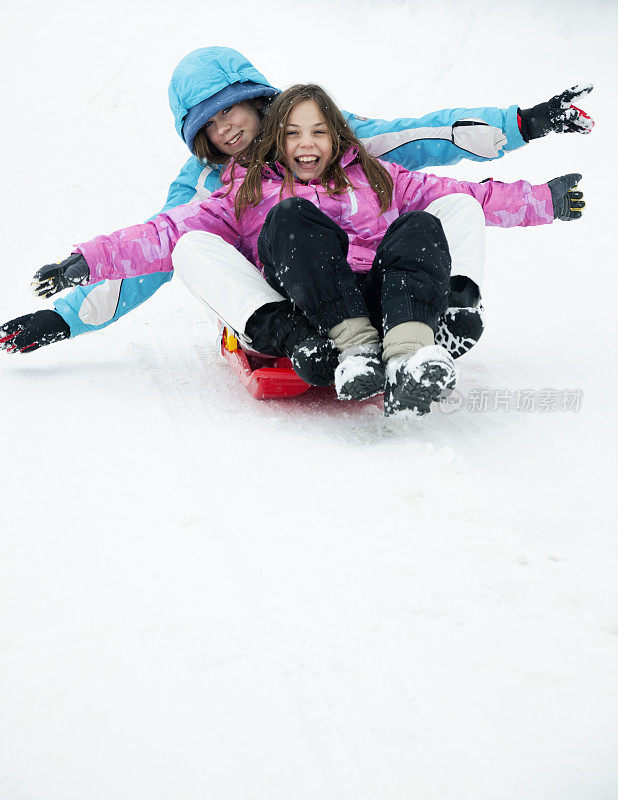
(52, 278)
(567, 203)
(32, 331)
(557, 114)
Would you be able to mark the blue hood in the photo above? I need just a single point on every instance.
(205, 72)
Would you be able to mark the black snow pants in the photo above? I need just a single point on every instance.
(304, 257)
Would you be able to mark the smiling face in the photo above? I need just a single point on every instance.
(233, 129)
(308, 143)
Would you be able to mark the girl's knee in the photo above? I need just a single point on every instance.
(457, 206)
(420, 223)
(197, 245)
(290, 209)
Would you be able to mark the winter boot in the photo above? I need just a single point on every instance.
(360, 373)
(459, 329)
(315, 360)
(461, 325)
(281, 329)
(314, 357)
(413, 382)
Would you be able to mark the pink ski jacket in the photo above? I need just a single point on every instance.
(146, 248)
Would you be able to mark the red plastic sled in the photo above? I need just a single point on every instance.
(264, 379)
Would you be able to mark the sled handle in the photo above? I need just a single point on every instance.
(230, 342)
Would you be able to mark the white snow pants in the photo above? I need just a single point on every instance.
(233, 289)
(463, 223)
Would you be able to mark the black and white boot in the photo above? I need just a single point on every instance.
(414, 382)
(360, 373)
(459, 329)
(461, 325)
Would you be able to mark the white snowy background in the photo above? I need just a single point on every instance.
(204, 596)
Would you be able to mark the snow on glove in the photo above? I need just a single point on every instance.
(568, 204)
(52, 278)
(558, 114)
(32, 331)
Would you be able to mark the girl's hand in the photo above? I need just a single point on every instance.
(558, 114)
(52, 278)
(32, 331)
(568, 203)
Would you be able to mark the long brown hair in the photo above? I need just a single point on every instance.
(205, 150)
(269, 145)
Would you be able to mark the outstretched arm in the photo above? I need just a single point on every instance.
(93, 306)
(479, 134)
(442, 137)
(505, 205)
(140, 250)
(147, 248)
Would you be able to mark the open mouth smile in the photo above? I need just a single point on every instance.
(307, 162)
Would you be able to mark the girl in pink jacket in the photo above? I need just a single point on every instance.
(351, 240)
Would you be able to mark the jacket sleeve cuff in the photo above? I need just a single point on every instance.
(93, 258)
(542, 194)
(511, 129)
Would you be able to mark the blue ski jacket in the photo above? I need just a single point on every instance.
(440, 138)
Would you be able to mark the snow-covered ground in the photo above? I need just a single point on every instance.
(202, 596)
